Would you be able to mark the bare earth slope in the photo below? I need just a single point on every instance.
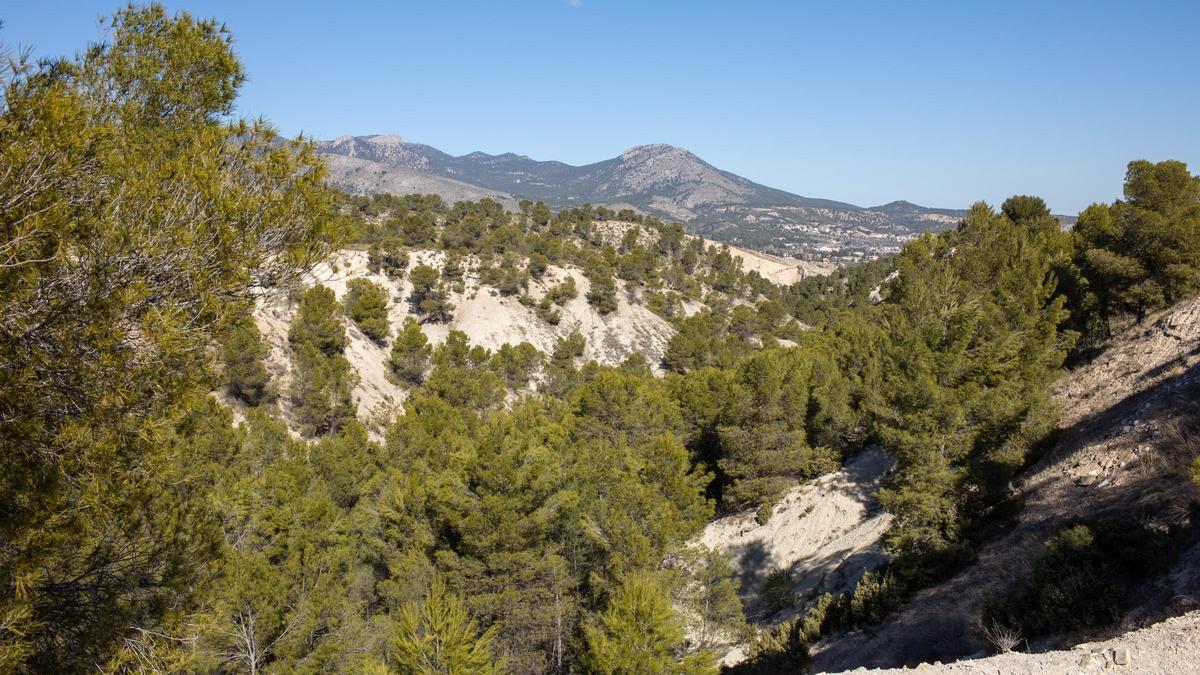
(1116, 454)
(825, 533)
(488, 319)
(813, 532)
(777, 269)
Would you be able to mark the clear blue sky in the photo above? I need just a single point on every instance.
(940, 103)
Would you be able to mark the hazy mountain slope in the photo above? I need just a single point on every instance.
(660, 180)
(362, 176)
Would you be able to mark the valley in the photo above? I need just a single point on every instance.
(272, 405)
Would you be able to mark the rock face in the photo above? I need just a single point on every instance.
(660, 180)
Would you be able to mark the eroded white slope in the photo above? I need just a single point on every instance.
(488, 319)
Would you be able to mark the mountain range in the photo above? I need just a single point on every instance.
(660, 180)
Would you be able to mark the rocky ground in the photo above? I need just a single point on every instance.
(1172, 646)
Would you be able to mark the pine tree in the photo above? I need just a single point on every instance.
(639, 633)
(244, 374)
(322, 391)
(437, 635)
(708, 593)
(136, 228)
(366, 304)
(1140, 253)
(410, 353)
(388, 257)
(430, 296)
(602, 291)
(974, 317)
(318, 322)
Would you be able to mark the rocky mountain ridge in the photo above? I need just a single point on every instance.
(661, 180)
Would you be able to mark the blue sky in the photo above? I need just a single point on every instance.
(940, 103)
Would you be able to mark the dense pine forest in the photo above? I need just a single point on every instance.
(522, 511)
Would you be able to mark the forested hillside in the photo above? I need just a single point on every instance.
(194, 478)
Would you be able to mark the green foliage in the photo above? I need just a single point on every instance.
(243, 372)
(509, 277)
(814, 299)
(438, 636)
(388, 257)
(1084, 578)
(121, 265)
(321, 391)
(708, 596)
(409, 358)
(516, 364)
(562, 292)
(974, 318)
(779, 649)
(778, 592)
(366, 304)
(602, 291)
(1140, 253)
(877, 595)
(761, 423)
(537, 265)
(558, 294)
(430, 297)
(318, 322)
(322, 379)
(639, 633)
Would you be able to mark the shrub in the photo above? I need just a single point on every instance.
(603, 292)
(430, 297)
(410, 353)
(516, 364)
(318, 323)
(387, 256)
(366, 303)
(778, 592)
(1084, 577)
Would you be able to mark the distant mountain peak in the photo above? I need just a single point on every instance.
(657, 179)
(639, 152)
(385, 139)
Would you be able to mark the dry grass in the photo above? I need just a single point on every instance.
(1002, 638)
(1178, 441)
